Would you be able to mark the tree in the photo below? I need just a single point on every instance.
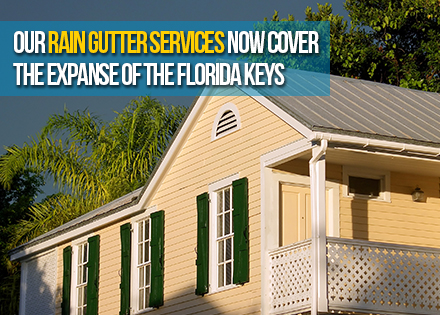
(395, 42)
(14, 204)
(306, 62)
(91, 161)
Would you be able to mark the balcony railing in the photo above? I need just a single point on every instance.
(290, 277)
(362, 276)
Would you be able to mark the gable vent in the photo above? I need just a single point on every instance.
(226, 121)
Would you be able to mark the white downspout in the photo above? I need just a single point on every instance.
(319, 302)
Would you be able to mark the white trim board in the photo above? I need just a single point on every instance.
(134, 277)
(213, 254)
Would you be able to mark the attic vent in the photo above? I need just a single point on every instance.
(226, 121)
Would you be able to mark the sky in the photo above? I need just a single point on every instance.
(21, 118)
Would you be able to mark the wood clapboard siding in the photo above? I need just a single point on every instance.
(200, 163)
(400, 221)
(109, 266)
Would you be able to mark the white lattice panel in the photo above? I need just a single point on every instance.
(290, 274)
(383, 277)
(41, 284)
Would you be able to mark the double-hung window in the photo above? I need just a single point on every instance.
(81, 279)
(143, 266)
(142, 263)
(222, 236)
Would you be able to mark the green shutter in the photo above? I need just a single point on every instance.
(125, 268)
(93, 276)
(202, 261)
(241, 232)
(67, 271)
(157, 259)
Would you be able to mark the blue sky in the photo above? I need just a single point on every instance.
(23, 117)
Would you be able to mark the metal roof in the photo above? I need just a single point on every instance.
(368, 109)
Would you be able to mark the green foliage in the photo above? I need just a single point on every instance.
(91, 161)
(14, 204)
(395, 42)
(405, 39)
(349, 53)
(307, 62)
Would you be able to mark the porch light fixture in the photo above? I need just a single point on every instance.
(417, 195)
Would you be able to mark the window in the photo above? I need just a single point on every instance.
(81, 281)
(366, 184)
(81, 277)
(226, 121)
(142, 262)
(370, 187)
(222, 236)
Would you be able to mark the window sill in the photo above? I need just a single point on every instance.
(145, 311)
(365, 197)
(225, 288)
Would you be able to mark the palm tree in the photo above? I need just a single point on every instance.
(91, 161)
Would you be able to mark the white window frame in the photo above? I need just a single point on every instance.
(383, 176)
(213, 252)
(74, 272)
(222, 110)
(134, 281)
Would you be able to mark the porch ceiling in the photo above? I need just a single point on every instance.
(377, 160)
(380, 161)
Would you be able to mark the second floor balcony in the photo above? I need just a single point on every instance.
(362, 277)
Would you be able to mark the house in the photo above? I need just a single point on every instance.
(264, 205)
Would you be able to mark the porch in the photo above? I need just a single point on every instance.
(350, 250)
(362, 276)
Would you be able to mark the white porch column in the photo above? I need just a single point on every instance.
(319, 252)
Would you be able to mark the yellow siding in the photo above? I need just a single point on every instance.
(109, 267)
(202, 162)
(400, 221)
(199, 163)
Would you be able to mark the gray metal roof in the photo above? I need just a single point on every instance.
(369, 109)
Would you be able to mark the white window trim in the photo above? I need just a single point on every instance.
(74, 270)
(383, 176)
(222, 110)
(213, 188)
(134, 298)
